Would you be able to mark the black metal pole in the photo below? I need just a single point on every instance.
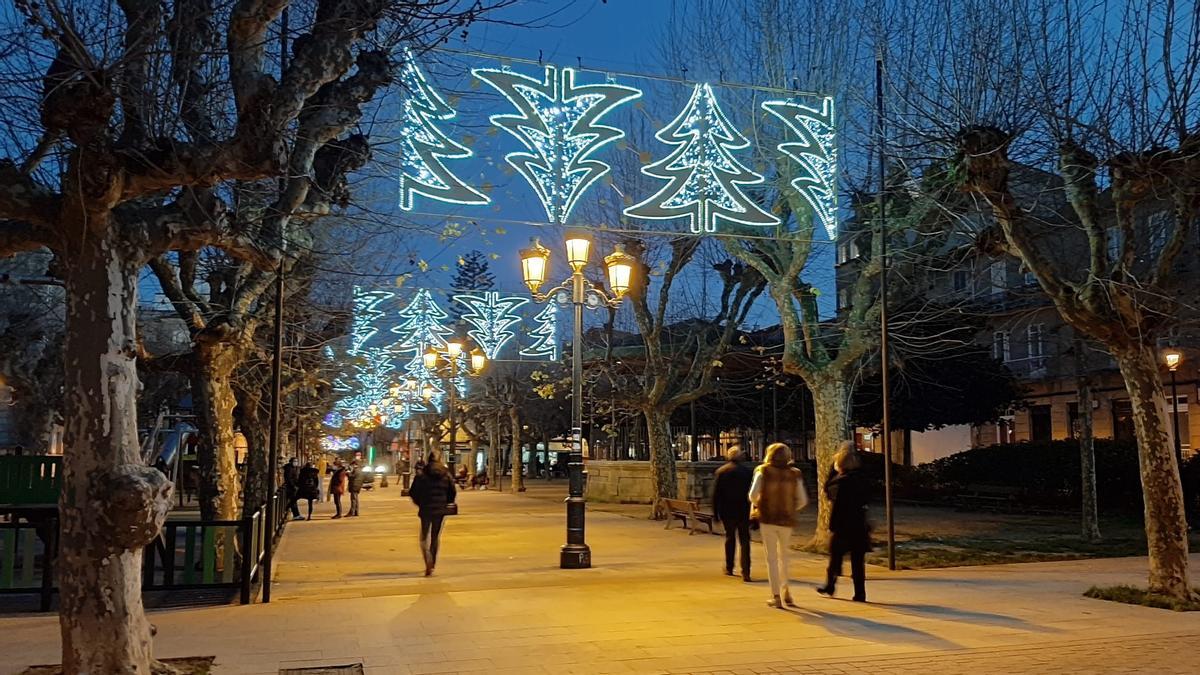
(692, 424)
(453, 387)
(575, 554)
(276, 375)
(883, 316)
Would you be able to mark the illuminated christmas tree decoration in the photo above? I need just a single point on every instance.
(422, 327)
(703, 178)
(424, 146)
(545, 334)
(815, 150)
(366, 311)
(558, 123)
(492, 317)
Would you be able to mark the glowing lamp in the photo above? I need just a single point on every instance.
(620, 271)
(534, 261)
(1173, 357)
(579, 245)
(478, 360)
(431, 358)
(427, 393)
(454, 347)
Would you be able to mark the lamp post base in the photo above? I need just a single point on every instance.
(575, 557)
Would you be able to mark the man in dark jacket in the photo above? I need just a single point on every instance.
(731, 506)
(431, 491)
(355, 482)
(291, 486)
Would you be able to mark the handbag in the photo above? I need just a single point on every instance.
(451, 509)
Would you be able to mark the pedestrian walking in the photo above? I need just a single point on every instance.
(849, 527)
(433, 492)
(354, 483)
(776, 494)
(337, 486)
(731, 506)
(291, 486)
(309, 486)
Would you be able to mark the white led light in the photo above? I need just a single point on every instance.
(492, 316)
(815, 150)
(423, 145)
(703, 178)
(558, 123)
(545, 334)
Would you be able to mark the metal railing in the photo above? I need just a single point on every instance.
(188, 554)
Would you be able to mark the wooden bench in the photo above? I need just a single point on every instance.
(989, 497)
(687, 511)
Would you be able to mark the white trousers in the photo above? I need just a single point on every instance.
(776, 540)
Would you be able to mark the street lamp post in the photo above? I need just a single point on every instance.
(476, 363)
(577, 291)
(1174, 357)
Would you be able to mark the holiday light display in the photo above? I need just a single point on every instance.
(558, 123)
(545, 334)
(366, 311)
(815, 150)
(335, 444)
(703, 178)
(424, 145)
(422, 327)
(492, 316)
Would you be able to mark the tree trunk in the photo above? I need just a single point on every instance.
(1166, 523)
(518, 473)
(257, 451)
(213, 401)
(830, 396)
(110, 505)
(1090, 522)
(473, 453)
(495, 459)
(662, 457)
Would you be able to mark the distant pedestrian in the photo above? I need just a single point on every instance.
(432, 490)
(849, 529)
(354, 483)
(337, 486)
(309, 485)
(291, 487)
(731, 506)
(776, 494)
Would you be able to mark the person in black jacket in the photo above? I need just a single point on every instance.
(291, 486)
(431, 491)
(354, 483)
(309, 485)
(731, 506)
(850, 532)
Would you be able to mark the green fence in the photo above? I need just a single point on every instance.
(28, 480)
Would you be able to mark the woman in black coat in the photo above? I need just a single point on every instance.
(431, 491)
(309, 485)
(850, 532)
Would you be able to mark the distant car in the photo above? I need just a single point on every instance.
(369, 473)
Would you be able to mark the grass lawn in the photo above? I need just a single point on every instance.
(1131, 595)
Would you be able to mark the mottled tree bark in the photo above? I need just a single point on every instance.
(213, 402)
(662, 456)
(256, 430)
(496, 459)
(518, 472)
(1090, 520)
(111, 505)
(830, 407)
(1166, 522)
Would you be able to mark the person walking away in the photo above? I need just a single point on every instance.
(850, 532)
(776, 494)
(731, 506)
(354, 483)
(337, 487)
(308, 486)
(431, 491)
(291, 486)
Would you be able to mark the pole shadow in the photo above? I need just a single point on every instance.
(966, 616)
(872, 631)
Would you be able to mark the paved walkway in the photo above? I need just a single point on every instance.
(353, 591)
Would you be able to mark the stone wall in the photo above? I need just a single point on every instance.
(628, 482)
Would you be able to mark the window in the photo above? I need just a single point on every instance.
(843, 253)
(1161, 225)
(1073, 420)
(1000, 348)
(1034, 346)
(1115, 239)
(962, 279)
(843, 298)
(1122, 414)
(999, 272)
(1039, 423)
(1030, 279)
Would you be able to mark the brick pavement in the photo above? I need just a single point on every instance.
(352, 591)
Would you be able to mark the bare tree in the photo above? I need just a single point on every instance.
(126, 144)
(1101, 100)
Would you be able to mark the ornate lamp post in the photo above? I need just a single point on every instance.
(1174, 357)
(448, 362)
(578, 291)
